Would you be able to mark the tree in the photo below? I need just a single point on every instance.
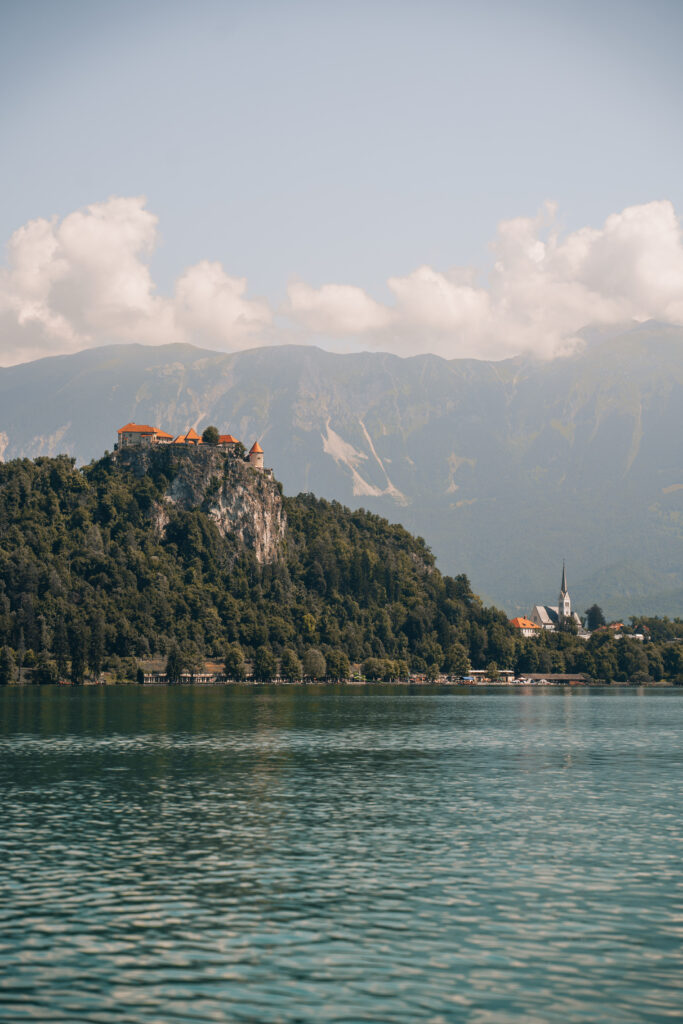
(492, 671)
(315, 666)
(432, 673)
(457, 662)
(8, 666)
(45, 672)
(290, 665)
(60, 648)
(78, 646)
(338, 667)
(211, 436)
(234, 662)
(21, 652)
(96, 649)
(265, 664)
(594, 617)
(175, 664)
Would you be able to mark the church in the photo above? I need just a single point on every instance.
(553, 618)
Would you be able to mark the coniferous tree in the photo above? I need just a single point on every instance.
(60, 648)
(175, 664)
(8, 666)
(265, 664)
(78, 648)
(594, 617)
(96, 647)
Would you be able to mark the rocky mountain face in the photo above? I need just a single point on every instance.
(244, 503)
(505, 468)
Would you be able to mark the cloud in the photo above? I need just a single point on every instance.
(86, 280)
(210, 307)
(541, 290)
(335, 309)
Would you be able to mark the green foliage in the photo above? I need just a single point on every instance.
(88, 580)
(594, 617)
(338, 667)
(290, 665)
(314, 664)
(210, 436)
(175, 664)
(234, 663)
(265, 664)
(8, 666)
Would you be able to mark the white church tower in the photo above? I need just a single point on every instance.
(564, 604)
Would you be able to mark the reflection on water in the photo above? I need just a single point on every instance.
(227, 854)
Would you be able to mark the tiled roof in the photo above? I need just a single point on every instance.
(162, 433)
(137, 428)
(192, 435)
(227, 439)
(521, 623)
(256, 449)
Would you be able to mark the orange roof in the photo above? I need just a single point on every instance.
(256, 449)
(180, 439)
(227, 439)
(192, 435)
(521, 623)
(162, 433)
(136, 428)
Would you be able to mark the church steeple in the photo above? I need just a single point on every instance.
(564, 604)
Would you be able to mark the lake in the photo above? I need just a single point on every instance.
(305, 854)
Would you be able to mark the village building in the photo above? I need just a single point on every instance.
(525, 626)
(554, 617)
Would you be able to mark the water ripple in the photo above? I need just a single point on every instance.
(324, 855)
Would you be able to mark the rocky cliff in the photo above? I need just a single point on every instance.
(244, 503)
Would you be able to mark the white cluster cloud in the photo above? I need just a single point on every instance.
(541, 290)
(85, 280)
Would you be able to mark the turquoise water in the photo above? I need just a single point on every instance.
(229, 854)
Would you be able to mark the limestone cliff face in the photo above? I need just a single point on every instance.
(244, 503)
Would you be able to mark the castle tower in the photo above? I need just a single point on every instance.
(564, 604)
(255, 456)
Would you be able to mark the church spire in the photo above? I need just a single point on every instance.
(563, 588)
(564, 605)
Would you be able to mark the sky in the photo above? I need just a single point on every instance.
(470, 179)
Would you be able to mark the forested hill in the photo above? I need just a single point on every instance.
(135, 556)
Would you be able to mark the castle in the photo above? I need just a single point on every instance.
(142, 435)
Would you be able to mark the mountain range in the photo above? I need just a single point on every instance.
(506, 468)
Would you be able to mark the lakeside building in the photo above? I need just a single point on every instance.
(554, 617)
(525, 626)
(143, 435)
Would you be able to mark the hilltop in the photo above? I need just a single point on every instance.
(505, 468)
(148, 550)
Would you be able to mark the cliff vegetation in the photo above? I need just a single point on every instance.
(197, 556)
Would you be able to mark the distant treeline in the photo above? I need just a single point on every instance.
(88, 584)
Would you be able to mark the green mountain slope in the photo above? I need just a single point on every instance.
(137, 554)
(505, 468)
